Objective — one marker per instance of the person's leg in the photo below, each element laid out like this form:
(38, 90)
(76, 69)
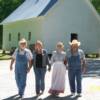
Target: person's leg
(17, 78)
(78, 80)
(71, 75)
(37, 80)
(43, 71)
(23, 77)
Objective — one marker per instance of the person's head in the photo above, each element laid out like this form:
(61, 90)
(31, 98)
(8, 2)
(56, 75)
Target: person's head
(38, 45)
(60, 46)
(22, 43)
(74, 45)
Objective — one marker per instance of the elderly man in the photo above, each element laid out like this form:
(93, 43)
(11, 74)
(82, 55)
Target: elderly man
(76, 66)
(22, 57)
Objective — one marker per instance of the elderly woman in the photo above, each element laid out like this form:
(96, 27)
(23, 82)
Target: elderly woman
(22, 57)
(40, 62)
(58, 60)
(76, 65)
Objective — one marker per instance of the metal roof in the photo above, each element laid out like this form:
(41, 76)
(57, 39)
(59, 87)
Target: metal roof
(30, 9)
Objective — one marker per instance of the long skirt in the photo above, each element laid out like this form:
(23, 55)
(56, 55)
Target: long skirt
(58, 78)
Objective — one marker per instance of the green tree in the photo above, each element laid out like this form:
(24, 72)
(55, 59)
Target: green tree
(96, 4)
(7, 7)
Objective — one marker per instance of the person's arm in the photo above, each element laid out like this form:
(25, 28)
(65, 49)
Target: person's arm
(83, 66)
(30, 57)
(47, 60)
(30, 65)
(83, 62)
(48, 63)
(52, 58)
(65, 62)
(13, 59)
(11, 64)
(30, 60)
(65, 59)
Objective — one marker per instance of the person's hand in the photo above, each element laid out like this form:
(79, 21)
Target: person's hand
(11, 68)
(66, 67)
(28, 69)
(84, 71)
(65, 62)
(49, 69)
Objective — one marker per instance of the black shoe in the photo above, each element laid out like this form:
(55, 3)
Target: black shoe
(37, 94)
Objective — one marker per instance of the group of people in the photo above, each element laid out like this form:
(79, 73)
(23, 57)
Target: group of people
(73, 60)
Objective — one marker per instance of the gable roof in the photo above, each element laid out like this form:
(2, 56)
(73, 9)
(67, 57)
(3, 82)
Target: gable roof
(30, 9)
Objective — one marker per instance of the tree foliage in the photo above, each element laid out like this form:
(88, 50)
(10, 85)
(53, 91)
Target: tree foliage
(96, 4)
(7, 7)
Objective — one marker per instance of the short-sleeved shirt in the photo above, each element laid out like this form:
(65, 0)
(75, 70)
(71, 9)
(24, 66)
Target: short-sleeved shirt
(58, 56)
(28, 53)
(80, 52)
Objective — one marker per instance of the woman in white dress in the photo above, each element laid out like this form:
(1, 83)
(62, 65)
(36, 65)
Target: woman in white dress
(58, 61)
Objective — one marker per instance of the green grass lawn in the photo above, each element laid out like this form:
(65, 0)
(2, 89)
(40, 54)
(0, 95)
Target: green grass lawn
(4, 57)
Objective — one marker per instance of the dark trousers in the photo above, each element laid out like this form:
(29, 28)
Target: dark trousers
(75, 80)
(39, 79)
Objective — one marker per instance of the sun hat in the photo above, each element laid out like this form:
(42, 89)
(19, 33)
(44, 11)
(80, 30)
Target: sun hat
(75, 42)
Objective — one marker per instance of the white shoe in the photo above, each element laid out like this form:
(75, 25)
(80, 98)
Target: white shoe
(73, 94)
(79, 94)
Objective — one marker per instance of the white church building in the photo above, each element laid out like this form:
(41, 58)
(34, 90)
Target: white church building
(51, 21)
